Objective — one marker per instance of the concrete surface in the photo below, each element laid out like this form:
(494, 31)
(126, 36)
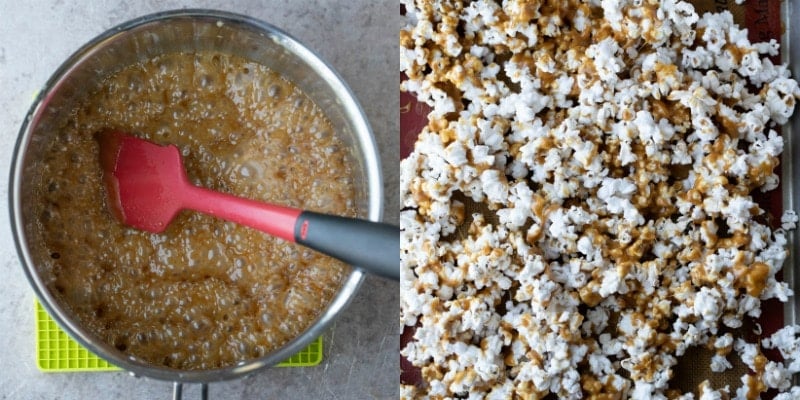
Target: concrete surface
(359, 38)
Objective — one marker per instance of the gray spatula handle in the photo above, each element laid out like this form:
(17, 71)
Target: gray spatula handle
(371, 246)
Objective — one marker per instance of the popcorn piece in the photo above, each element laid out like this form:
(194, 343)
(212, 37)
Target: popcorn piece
(789, 220)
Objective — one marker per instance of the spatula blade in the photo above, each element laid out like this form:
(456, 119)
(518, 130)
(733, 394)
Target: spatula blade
(144, 181)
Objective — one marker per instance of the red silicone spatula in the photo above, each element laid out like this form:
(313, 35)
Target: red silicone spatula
(147, 186)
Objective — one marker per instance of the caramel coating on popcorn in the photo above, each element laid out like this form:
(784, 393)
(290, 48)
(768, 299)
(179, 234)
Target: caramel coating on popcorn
(617, 143)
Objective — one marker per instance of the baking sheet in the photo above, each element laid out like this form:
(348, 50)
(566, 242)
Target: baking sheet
(765, 20)
(790, 46)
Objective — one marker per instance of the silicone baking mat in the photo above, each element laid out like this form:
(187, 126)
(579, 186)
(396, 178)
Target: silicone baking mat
(57, 352)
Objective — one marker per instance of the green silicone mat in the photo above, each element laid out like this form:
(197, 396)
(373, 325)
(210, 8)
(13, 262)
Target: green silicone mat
(57, 352)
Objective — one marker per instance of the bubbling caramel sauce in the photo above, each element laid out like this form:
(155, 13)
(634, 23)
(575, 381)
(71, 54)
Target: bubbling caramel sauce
(206, 293)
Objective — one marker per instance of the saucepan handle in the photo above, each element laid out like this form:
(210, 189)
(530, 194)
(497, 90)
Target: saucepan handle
(177, 391)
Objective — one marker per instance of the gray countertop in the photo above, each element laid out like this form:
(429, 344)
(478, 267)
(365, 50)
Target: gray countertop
(359, 38)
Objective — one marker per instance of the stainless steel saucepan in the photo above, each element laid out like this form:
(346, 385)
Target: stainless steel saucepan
(170, 32)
